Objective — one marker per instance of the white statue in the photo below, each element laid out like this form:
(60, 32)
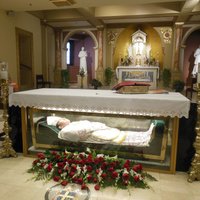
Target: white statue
(130, 51)
(138, 51)
(196, 61)
(97, 132)
(83, 63)
(148, 51)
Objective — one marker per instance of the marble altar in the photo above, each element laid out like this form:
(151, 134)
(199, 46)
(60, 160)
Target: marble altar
(149, 74)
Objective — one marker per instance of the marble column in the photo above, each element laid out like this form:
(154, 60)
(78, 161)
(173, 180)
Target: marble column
(99, 72)
(178, 30)
(58, 58)
(111, 37)
(45, 71)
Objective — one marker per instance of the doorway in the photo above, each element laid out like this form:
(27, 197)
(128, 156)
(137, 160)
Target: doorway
(24, 42)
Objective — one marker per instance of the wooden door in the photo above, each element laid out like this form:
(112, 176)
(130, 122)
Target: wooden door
(24, 41)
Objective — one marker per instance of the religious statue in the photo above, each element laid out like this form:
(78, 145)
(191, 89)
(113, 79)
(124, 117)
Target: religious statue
(130, 51)
(138, 51)
(196, 61)
(83, 63)
(97, 132)
(148, 50)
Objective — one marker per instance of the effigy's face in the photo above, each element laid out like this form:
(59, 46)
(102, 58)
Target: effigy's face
(62, 123)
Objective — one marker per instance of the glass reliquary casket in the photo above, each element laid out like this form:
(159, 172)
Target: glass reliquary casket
(142, 127)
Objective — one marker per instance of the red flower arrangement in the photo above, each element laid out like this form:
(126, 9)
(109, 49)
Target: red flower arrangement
(85, 168)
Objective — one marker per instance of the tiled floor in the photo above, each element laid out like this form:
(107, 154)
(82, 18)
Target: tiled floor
(15, 184)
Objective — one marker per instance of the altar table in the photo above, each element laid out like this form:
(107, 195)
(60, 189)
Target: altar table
(110, 105)
(172, 104)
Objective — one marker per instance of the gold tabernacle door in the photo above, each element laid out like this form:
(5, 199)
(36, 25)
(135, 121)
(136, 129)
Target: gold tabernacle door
(145, 139)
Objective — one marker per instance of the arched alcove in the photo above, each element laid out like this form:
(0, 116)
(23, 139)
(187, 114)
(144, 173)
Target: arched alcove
(124, 39)
(189, 44)
(88, 40)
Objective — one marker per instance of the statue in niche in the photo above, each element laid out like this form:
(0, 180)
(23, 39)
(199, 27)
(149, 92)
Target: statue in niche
(138, 51)
(196, 62)
(83, 63)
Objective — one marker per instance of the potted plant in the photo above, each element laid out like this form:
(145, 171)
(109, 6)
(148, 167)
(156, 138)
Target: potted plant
(178, 85)
(65, 78)
(96, 83)
(166, 77)
(108, 75)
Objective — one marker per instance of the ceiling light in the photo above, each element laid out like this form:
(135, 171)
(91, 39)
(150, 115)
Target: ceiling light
(179, 23)
(62, 2)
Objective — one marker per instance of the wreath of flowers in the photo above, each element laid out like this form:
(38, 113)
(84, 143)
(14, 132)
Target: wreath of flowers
(85, 168)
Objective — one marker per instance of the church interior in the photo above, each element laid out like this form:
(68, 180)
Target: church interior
(120, 78)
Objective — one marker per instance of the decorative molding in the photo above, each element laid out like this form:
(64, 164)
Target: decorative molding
(111, 35)
(7, 149)
(166, 34)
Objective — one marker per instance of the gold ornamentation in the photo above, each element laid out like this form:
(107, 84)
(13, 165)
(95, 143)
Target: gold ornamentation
(194, 172)
(167, 35)
(111, 36)
(7, 149)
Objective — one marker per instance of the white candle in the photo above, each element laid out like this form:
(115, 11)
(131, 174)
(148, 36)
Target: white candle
(4, 75)
(4, 71)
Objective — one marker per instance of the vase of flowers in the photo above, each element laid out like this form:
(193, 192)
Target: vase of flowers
(126, 61)
(82, 75)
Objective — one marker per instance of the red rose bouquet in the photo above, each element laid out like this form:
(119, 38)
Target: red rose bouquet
(85, 168)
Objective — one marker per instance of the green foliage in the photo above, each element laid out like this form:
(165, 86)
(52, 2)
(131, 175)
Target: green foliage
(65, 78)
(166, 75)
(151, 61)
(87, 167)
(108, 75)
(178, 85)
(82, 72)
(96, 83)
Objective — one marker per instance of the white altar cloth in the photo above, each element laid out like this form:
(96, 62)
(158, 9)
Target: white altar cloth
(172, 104)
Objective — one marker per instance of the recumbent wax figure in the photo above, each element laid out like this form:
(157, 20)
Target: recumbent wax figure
(97, 132)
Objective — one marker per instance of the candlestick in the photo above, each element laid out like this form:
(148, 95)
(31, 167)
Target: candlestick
(7, 149)
(4, 75)
(4, 71)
